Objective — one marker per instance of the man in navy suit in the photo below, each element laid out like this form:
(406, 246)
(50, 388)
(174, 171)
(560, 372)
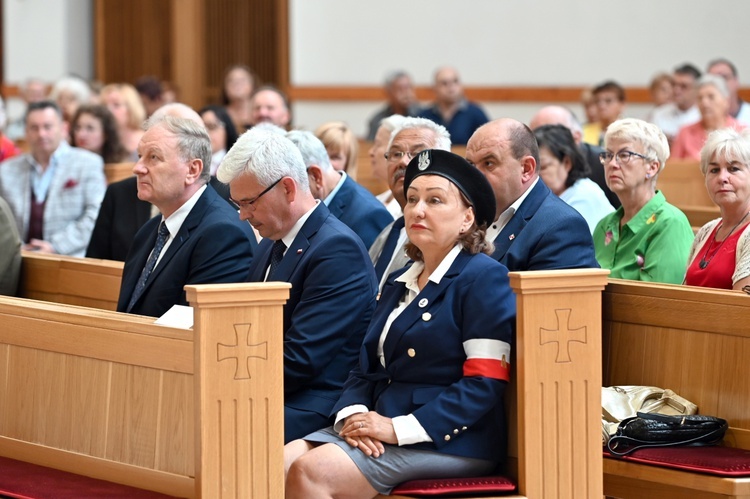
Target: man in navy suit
(533, 229)
(197, 239)
(333, 283)
(346, 199)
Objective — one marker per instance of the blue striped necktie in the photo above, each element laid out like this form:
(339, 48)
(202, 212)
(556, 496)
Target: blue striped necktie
(161, 240)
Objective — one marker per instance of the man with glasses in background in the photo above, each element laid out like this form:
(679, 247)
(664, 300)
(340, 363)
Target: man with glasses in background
(197, 238)
(412, 137)
(333, 284)
(533, 229)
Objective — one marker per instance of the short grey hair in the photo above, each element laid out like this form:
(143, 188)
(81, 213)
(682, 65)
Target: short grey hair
(74, 85)
(648, 135)
(726, 142)
(193, 141)
(392, 122)
(717, 81)
(266, 155)
(312, 149)
(442, 137)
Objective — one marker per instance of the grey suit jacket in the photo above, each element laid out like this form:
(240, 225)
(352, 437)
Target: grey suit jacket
(10, 251)
(73, 198)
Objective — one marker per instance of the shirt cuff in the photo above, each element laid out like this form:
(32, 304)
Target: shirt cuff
(409, 431)
(345, 413)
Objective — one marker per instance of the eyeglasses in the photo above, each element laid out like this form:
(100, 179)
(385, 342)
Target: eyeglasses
(214, 126)
(396, 156)
(621, 157)
(245, 203)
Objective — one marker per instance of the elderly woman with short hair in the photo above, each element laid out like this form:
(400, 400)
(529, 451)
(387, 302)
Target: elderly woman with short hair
(646, 239)
(713, 103)
(720, 255)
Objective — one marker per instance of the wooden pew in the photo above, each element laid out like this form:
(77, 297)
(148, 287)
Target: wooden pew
(87, 282)
(700, 215)
(553, 414)
(115, 397)
(683, 184)
(694, 341)
(118, 171)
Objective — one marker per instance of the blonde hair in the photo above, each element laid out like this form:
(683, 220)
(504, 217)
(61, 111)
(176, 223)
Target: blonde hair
(336, 136)
(136, 111)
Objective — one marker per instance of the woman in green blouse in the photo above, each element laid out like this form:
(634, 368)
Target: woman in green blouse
(646, 239)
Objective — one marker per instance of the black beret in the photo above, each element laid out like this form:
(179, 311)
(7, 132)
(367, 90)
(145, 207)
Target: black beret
(470, 181)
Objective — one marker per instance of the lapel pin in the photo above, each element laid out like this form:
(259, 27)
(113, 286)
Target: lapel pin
(511, 237)
(299, 251)
(423, 303)
(426, 316)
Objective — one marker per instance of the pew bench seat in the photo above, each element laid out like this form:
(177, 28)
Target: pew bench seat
(708, 473)
(495, 486)
(20, 479)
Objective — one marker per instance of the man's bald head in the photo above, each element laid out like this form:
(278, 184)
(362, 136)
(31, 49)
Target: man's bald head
(557, 115)
(176, 110)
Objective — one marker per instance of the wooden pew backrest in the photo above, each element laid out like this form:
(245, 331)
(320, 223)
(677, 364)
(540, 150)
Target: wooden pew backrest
(115, 172)
(115, 397)
(683, 184)
(695, 341)
(87, 282)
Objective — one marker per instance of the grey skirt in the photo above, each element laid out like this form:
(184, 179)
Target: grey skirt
(400, 464)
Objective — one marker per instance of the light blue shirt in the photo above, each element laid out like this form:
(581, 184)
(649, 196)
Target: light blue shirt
(589, 200)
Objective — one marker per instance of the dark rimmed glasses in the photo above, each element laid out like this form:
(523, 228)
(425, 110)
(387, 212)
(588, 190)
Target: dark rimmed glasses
(246, 203)
(621, 157)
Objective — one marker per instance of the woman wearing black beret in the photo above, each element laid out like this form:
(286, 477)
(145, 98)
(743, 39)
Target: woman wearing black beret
(426, 400)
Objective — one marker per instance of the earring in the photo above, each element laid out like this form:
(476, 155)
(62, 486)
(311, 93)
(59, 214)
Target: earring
(648, 175)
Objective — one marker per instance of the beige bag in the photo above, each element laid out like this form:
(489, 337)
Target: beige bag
(621, 402)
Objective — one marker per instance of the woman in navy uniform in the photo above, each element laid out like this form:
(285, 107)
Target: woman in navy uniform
(426, 400)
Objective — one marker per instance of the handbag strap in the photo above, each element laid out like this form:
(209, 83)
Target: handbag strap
(613, 442)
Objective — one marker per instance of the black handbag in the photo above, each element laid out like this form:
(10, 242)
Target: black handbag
(659, 430)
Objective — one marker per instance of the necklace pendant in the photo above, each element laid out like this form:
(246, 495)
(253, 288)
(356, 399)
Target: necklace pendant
(703, 264)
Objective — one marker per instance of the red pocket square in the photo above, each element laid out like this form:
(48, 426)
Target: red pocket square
(71, 182)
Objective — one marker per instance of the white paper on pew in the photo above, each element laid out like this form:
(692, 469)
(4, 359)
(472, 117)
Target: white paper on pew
(177, 316)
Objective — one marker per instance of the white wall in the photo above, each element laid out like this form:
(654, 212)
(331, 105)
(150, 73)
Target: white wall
(505, 42)
(491, 42)
(47, 39)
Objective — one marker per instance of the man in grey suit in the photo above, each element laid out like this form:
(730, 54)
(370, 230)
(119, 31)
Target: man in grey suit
(55, 190)
(412, 137)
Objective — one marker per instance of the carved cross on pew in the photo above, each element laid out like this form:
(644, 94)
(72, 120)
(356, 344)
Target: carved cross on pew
(242, 352)
(563, 337)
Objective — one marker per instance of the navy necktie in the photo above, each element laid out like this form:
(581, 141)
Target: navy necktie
(161, 240)
(277, 253)
(388, 248)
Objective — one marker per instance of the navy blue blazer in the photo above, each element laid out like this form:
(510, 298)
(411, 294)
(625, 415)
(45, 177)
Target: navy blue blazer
(545, 234)
(121, 214)
(360, 210)
(330, 304)
(212, 246)
(436, 363)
